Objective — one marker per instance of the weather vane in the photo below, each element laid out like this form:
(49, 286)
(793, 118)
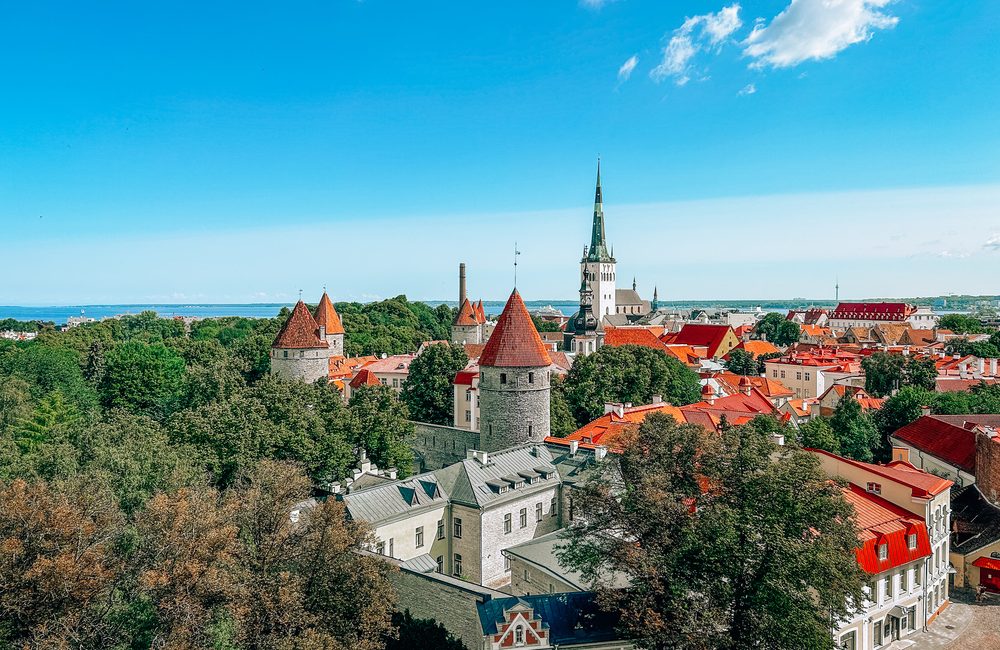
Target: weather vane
(516, 253)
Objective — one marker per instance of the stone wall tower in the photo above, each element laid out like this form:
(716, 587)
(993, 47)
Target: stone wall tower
(299, 351)
(598, 265)
(514, 382)
(468, 324)
(331, 329)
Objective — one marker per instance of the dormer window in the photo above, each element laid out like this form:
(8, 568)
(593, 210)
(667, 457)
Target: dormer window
(911, 541)
(883, 552)
(874, 488)
(518, 635)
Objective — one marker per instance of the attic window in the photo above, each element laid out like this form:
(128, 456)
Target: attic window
(911, 541)
(883, 552)
(874, 488)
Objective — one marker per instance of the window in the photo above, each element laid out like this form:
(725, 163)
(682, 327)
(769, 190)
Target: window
(527, 575)
(807, 376)
(848, 642)
(395, 382)
(798, 376)
(440, 532)
(440, 562)
(875, 488)
(883, 551)
(531, 377)
(524, 517)
(911, 617)
(888, 586)
(872, 591)
(458, 528)
(506, 563)
(390, 548)
(774, 373)
(877, 633)
(782, 374)
(911, 541)
(457, 565)
(518, 635)
(286, 354)
(418, 537)
(468, 396)
(552, 507)
(538, 511)
(916, 576)
(904, 580)
(503, 377)
(380, 548)
(529, 429)
(468, 416)
(507, 524)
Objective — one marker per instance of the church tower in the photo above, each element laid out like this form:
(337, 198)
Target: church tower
(331, 329)
(588, 332)
(514, 386)
(598, 266)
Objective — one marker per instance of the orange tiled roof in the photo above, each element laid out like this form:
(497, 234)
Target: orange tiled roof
(300, 331)
(480, 312)
(514, 342)
(467, 315)
(770, 388)
(757, 348)
(327, 316)
(606, 429)
(615, 336)
(687, 354)
(711, 336)
(365, 377)
(473, 350)
(922, 484)
(343, 367)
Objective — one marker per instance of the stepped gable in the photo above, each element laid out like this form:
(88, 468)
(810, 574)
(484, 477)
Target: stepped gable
(328, 317)
(467, 315)
(515, 342)
(299, 331)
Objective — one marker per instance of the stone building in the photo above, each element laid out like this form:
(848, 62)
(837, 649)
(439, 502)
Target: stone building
(514, 381)
(301, 350)
(329, 323)
(469, 327)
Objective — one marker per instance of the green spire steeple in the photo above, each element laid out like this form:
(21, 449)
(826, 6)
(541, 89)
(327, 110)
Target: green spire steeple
(598, 244)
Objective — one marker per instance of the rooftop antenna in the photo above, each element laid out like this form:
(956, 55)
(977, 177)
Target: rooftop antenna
(837, 290)
(516, 253)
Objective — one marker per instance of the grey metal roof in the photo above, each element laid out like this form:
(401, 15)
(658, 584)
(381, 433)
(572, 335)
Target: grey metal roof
(468, 481)
(541, 552)
(976, 521)
(421, 564)
(391, 500)
(572, 618)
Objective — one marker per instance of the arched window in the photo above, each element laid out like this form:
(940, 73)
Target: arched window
(519, 635)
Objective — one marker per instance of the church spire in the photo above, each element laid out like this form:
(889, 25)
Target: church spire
(598, 244)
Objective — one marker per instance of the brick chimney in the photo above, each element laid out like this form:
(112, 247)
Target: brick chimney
(461, 285)
(988, 463)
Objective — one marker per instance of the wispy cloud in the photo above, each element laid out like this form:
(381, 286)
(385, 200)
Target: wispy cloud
(625, 71)
(595, 4)
(748, 89)
(993, 243)
(815, 29)
(697, 33)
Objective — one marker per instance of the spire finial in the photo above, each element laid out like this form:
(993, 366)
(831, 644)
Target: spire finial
(633, 283)
(300, 294)
(516, 253)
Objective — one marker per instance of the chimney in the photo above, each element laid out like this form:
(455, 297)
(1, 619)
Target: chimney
(614, 407)
(988, 464)
(708, 394)
(993, 367)
(600, 451)
(574, 446)
(925, 410)
(461, 285)
(901, 453)
(657, 399)
(481, 456)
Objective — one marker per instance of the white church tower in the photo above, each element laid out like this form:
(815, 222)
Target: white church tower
(597, 268)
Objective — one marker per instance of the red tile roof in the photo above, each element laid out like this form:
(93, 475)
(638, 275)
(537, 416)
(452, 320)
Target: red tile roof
(514, 342)
(951, 438)
(480, 312)
(711, 336)
(922, 484)
(882, 522)
(299, 331)
(467, 315)
(615, 336)
(887, 311)
(770, 388)
(327, 316)
(343, 367)
(987, 563)
(607, 429)
(757, 348)
(365, 377)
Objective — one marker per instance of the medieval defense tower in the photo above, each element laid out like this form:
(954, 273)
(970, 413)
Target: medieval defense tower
(514, 385)
(305, 344)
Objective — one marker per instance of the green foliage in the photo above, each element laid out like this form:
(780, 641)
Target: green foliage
(393, 326)
(143, 378)
(818, 434)
(543, 325)
(742, 362)
(989, 349)
(561, 422)
(961, 324)
(14, 325)
(429, 391)
(905, 406)
(628, 373)
(380, 425)
(412, 633)
(53, 417)
(885, 372)
(46, 369)
(855, 430)
(779, 562)
(763, 358)
(777, 329)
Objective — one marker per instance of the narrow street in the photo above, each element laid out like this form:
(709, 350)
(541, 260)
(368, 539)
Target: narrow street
(963, 625)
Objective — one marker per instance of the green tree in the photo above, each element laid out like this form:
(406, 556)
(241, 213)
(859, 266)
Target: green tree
(856, 431)
(429, 391)
(543, 325)
(762, 360)
(15, 403)
(143, 378)
(883, 373)
(921, 373)
(628, 373)
(412, 632)
(781, 559)
(818, 434)
(777, 329)
(52, 418)
(961, 324)
(380, 425)
(561, 422)
(742, 362)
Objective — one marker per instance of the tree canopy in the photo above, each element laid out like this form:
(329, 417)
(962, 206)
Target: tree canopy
(886, 372)
(727, 543)
(742, 362)
(777, 329)
(961, 324)
(429, 391)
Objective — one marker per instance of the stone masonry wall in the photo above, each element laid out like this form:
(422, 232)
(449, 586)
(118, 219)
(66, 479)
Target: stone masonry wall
(311, 365)
(462, 334)
(507, 410)
(452, 606)
(439, 446)
(988, 466)
(336, 343)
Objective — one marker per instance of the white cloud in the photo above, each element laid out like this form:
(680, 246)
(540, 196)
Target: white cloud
(695, 34)
(625, 71)
(993, 243)
(595, 4)
(748, 89)
(815, 29)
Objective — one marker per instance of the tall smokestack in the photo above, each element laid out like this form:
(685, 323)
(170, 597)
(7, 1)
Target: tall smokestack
(461, 284)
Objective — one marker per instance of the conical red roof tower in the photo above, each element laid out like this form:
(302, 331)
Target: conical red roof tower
(299, 331)
(327, 316)
(515, 342)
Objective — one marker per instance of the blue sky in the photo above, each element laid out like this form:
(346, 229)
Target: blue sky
(240, 151)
